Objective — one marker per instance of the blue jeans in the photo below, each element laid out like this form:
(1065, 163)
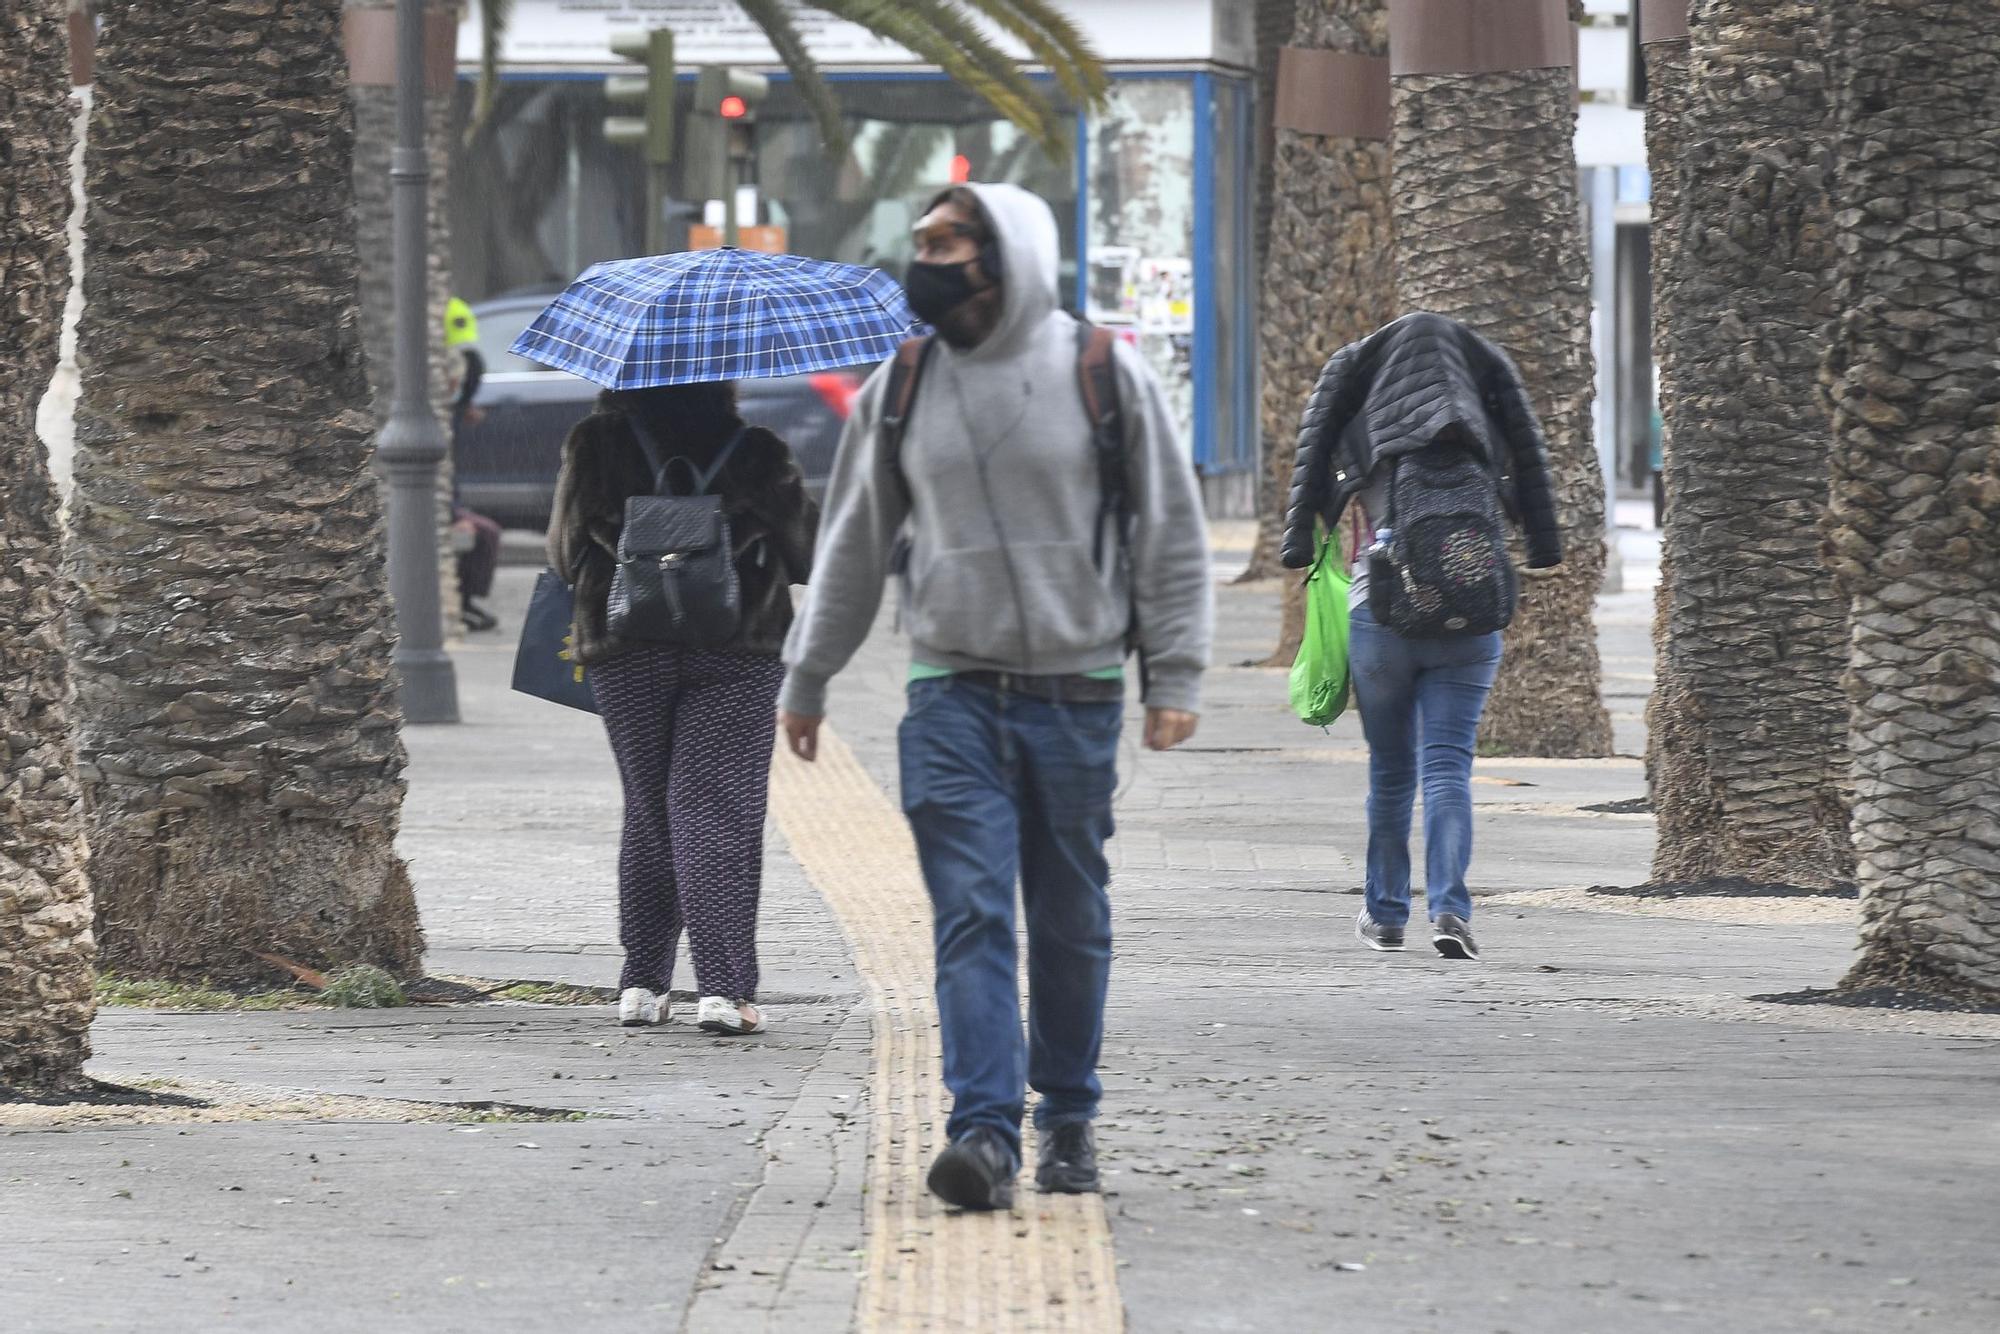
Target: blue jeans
(1401, 684)
(999, 787)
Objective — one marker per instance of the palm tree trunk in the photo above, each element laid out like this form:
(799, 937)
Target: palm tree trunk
(1328, 279)
(1750, 774)
(1274, 23)
(1916, 476)
(1668, 88)
(237, 713)
(1274, 28)
(45, 939)
(1489, 231)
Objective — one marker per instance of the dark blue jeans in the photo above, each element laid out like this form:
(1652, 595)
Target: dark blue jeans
(1000, 788)
(1410, 691)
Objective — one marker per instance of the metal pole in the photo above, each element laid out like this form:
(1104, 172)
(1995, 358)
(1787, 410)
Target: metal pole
(656, 208)
(573, 252)
(412, 443)
(732, 177)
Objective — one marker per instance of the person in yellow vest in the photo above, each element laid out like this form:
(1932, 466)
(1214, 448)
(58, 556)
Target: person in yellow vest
(475, 538)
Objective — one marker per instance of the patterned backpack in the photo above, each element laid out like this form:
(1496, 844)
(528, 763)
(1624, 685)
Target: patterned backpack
(1445, 570)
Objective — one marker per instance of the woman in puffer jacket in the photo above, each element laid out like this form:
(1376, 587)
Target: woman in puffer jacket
(691, 728)
(1422, 381)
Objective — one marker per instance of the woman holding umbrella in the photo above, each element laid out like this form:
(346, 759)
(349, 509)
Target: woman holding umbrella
(691, 721)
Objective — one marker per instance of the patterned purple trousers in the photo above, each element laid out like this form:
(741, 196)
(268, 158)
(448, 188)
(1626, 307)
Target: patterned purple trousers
(692, 733)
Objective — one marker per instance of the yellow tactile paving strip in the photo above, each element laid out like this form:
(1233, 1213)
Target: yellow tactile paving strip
(1048, 1265)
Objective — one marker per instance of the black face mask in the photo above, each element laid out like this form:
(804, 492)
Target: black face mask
(936, 290)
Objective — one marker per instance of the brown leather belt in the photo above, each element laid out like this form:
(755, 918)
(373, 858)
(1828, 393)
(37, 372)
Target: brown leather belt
(1071, 688)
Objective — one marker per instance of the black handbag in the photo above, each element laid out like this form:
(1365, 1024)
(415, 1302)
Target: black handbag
(676, 581)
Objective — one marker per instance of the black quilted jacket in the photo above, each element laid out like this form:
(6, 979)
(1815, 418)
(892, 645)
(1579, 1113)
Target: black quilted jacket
(1405, 385)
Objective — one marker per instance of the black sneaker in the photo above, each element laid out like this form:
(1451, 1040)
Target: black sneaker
(1453, 937)
(976, 1171)
(1376, 936)
(1068, 1163)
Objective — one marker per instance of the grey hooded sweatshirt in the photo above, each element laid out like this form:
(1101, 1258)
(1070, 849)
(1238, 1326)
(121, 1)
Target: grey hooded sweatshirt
(1004, 508)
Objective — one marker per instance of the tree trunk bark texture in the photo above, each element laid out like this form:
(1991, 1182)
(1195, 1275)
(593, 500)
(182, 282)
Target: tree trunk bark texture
(1275, 22)
(1489, 231)
(1274, 28)
(45, 926)
(1750, 771)
(237, 713)
(1668, 88)
(1915, 524)
(1329, 280)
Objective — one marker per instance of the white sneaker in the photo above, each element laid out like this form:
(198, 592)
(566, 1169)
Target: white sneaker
(719, 1014)
(638, 1008)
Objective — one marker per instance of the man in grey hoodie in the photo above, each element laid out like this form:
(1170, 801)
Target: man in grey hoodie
(1019, 628)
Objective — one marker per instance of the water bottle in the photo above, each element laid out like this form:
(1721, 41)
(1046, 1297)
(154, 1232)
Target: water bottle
(1383, 536)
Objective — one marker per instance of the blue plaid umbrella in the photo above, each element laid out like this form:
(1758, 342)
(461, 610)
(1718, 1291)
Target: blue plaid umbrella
(717, 315)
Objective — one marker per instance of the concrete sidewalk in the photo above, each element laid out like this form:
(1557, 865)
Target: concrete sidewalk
(332, 1205)
(1595, 1130)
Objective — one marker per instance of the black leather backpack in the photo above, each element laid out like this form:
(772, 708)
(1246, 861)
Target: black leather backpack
(676, 581)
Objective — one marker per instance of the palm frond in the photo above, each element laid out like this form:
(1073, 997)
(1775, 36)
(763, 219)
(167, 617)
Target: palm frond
(494, 16)
(783, 34)
(940, 32)
(1055, 42)
(905, 156)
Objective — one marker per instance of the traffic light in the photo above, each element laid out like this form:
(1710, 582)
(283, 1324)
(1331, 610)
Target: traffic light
(728, 98)
(730, 94)
(652, 130)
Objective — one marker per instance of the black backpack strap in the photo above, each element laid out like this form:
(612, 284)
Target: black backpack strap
(1097, 380)
(650, 447)
(704, 478)
(904, 373)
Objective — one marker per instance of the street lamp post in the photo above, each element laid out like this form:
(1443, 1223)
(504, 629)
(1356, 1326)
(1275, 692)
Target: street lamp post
(412, 443)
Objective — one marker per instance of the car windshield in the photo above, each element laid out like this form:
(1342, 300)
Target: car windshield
(498, 328)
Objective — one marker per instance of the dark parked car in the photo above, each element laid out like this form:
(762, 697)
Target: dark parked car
(509, 449)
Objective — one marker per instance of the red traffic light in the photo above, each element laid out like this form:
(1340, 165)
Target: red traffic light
(733, 108)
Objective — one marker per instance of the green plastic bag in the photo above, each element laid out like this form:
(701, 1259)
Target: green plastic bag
(1319, 674)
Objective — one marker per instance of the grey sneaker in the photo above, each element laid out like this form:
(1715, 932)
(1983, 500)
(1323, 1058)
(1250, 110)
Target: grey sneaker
(1453, 937)
(731, 1018)
(1388, 939)
(640, 1008)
